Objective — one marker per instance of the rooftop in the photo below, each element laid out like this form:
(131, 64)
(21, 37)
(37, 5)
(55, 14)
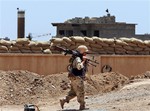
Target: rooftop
(95, 20)
(108, 19)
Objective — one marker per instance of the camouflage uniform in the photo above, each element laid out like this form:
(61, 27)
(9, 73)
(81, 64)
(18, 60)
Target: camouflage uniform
(77, 85)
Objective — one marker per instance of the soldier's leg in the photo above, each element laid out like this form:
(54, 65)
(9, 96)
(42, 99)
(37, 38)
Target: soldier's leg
(71, 94)
(80, 92)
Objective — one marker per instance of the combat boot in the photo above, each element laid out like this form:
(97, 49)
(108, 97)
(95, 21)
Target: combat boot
(62, 102)
(82, 106)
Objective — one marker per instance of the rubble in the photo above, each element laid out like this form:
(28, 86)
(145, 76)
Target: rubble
(20, 87)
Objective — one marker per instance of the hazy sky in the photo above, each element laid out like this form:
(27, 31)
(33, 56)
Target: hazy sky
(39, 14)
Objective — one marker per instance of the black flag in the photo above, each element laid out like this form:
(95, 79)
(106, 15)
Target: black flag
(107, 11)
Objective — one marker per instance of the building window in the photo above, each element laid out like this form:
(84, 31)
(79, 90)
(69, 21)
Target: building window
(69, 32)
(61, 32)
(83, 33)
(96, 33)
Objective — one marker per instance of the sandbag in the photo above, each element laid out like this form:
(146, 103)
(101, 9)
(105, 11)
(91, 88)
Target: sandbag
(128, 48)
(3, 51)
(108, 41)
(137, 41)
(110, 52)
(138, 49)
(89, 48)
(45, 47)
(103, 44)
(131, 52)
(90, 40)
(120, 52)
(73, 47)
(13, 42)
(25, 49)
(32, 43)
(120, 49)
(22, 41)
(120, 42)
(57, 40)
(40, 44)
(47, 51)
(119, 46)
(45, 44)
(113, 45)
(60, 44)
(143, 53)
(108, 48)
(3, 48)
(85, 43)
(55, 44)
(17, 45)
(77, 39)
(14, 49)
(97, 49)
(66, 45)
(55, 52)
(5, 42)
(146, 49)
(52, 46)
(142, 45)
(36, 48)
(68, 40)
(147, 42)
(96, 39)
(132, 44)
(96, 46)
(102, 52)
(125, 39)
(100, 41)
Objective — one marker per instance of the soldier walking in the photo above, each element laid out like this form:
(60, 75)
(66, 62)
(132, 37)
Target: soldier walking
(76, 75)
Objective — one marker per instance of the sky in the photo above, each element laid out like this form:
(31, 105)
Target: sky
(39, 14)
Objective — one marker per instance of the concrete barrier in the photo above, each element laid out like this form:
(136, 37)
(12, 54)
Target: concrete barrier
(51, 64)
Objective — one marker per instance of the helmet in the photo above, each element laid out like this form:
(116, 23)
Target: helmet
(82, 47)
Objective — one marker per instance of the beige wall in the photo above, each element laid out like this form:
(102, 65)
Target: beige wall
(127, 65)
(51, 64)
(41, 64)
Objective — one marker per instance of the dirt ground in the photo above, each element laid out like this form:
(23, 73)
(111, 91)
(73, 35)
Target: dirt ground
(104, 92)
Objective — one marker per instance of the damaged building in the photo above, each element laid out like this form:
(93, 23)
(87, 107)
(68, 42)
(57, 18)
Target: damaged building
(105, 26)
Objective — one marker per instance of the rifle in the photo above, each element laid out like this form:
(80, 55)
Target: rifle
(92, 62)
(68, 51)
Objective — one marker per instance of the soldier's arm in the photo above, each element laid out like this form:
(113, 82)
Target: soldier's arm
(79, 63)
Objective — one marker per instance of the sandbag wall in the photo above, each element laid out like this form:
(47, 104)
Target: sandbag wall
(121, 46)
(24, 45)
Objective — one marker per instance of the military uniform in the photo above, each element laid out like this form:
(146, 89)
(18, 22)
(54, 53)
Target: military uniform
(76, 76)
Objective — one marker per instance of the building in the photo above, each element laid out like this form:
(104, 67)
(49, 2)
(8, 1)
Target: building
(105, 26)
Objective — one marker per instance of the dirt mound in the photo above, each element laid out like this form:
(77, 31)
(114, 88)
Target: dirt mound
(20, 87)
(105, 82)
(138, 84)
(145, 75)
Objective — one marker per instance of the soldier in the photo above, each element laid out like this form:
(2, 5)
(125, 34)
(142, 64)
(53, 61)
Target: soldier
(76, 76)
